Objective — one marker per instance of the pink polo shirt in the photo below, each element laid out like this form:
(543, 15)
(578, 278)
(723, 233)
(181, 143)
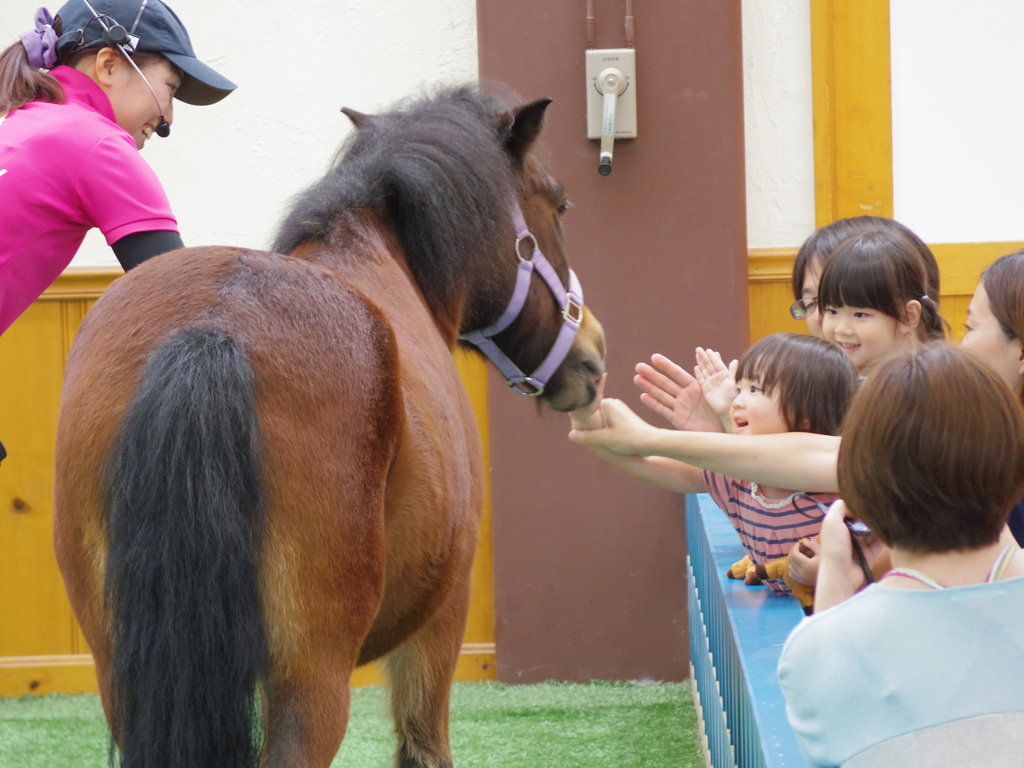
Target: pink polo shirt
(64, 169)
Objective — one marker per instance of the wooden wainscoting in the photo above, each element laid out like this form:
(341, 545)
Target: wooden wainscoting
(42, 649)
(770, 292)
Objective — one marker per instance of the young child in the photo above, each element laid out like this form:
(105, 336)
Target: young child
(785, 382)
(873, 299)
(818, 248)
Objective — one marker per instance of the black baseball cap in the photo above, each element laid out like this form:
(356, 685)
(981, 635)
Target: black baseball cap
(158, 29)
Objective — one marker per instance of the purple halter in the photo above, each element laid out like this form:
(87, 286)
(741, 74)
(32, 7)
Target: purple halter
(569, 301)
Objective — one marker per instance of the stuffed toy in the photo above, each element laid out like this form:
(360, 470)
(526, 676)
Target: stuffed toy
(775, 569)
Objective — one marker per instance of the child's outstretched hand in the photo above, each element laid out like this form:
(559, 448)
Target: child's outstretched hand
(671, 392)
(717, 380)
(590, 417)
(623, 432)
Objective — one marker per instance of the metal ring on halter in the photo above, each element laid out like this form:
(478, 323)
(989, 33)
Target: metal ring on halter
(517, 386)
(535, 246)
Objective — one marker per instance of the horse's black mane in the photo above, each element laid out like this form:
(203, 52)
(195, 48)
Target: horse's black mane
(438, 169)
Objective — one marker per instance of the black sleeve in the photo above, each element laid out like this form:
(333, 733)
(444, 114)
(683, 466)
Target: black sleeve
(131, 250)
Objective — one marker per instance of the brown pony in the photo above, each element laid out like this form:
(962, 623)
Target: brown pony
(268, 472)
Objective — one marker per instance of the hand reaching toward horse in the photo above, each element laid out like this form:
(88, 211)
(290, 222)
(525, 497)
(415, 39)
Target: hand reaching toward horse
(717, 380)
(671, 392)
(623, 432)
(590, 416)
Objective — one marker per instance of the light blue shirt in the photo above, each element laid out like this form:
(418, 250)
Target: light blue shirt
(889, 661)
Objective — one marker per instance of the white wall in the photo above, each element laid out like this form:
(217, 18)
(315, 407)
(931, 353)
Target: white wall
(958, 108)
(778, 122)
(958, 114)
(229, 168)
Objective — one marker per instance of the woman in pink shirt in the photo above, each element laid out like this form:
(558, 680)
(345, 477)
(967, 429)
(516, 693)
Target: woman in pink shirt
(80, 95)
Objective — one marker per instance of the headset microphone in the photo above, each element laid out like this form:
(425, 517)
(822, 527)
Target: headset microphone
(119, 38)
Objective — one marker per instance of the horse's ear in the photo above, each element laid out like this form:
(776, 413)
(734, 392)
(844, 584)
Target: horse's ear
(359, 119)
(523, 126)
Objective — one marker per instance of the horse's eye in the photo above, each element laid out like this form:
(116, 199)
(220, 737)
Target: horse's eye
(564, 207)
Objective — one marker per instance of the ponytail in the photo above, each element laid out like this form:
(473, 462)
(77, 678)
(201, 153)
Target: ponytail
(934, 326)
(20, 83)
(22, 66)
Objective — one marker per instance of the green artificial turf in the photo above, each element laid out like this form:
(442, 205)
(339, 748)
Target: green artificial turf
(552, 724)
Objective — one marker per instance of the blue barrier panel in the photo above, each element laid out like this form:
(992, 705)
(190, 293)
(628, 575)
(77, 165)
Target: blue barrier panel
(736, 637)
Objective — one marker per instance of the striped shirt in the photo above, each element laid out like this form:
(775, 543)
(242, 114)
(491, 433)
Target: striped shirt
(765, 532)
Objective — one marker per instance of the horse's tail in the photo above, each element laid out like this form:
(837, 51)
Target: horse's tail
(186, 509)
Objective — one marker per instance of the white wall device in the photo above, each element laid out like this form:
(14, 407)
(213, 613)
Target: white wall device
(611, 99)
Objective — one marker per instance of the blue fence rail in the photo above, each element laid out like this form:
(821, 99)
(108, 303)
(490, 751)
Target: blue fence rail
(736, 637)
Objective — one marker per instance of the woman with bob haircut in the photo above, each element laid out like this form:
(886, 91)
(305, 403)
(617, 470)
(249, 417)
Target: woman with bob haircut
(924, 667)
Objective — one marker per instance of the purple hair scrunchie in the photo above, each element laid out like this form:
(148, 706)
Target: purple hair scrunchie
(41, 42)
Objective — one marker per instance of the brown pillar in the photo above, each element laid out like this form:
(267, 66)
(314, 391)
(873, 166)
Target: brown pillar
(590, 564)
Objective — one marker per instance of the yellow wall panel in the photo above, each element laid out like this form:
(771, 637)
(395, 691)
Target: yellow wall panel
(480, 628)
(769, 310)
(34, 615)
(852, 108)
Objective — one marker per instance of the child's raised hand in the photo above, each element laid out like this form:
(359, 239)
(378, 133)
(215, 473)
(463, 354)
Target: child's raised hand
(623, 432)
(717, 380)
(671, 392)
(590, 417)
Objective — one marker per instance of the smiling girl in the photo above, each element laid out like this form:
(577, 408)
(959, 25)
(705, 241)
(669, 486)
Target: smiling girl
(874, 299)
(785, 382)
(817, 249)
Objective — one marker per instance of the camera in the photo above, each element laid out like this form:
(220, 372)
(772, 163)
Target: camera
(857, 528)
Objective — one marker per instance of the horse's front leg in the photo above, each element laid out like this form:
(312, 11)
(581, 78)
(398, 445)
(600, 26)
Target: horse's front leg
(420, 676)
